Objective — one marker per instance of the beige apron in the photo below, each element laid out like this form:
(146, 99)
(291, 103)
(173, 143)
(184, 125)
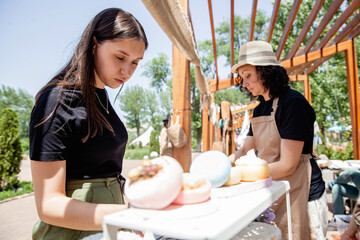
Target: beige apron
(267, 142)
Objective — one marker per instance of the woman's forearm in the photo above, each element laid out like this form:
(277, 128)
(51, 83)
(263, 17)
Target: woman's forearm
(75, 214)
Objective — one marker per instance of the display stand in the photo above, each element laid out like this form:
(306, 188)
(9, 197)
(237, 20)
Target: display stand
(218, 218)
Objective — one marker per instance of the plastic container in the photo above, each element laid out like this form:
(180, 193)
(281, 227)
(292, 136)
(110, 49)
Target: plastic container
(342, 222)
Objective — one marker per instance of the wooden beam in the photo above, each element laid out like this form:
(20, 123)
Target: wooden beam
(355, 33)
(325, 20)
(306, 84)
(205, 125)
(248, 107)
(342, 35)
(211, 123)
(354, 96)
(347, 30)
(182, 100)
(287, 28)
(252, 22)
(219, 85)
(213, 38)
(307, 91)
(306, 27)
(354, 5)
(315, 55)
(273, 20)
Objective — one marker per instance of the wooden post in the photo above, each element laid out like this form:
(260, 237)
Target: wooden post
(307, 91)
(211, 124)
(182, 105)
(354, 96)
(205, 128)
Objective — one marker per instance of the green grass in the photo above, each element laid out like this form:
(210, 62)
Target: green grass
(137, 153)
(25, 187)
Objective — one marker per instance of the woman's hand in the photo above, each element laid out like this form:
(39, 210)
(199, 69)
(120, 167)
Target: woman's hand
(55, 208)
(248, 145)
(232, 159)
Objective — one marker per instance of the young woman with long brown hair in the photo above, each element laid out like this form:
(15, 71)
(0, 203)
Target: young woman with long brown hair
(77, 141)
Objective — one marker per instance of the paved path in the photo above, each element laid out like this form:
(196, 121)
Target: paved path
(18, 216)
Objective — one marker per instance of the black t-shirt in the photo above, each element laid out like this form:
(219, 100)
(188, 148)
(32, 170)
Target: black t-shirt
(59, 138)
(295, 119)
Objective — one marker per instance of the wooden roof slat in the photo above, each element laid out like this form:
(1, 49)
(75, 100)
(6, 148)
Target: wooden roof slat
(287, 28)
(273, 20)
(316, 54)
(253, 17)
(306, 27)
(347, 30)
(213, 38)
(355, 33)
(326, 19)
(342, 35)
(338, 23)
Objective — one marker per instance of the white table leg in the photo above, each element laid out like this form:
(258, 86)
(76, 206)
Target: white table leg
(149, 236)
(109, 231)
(288, 211)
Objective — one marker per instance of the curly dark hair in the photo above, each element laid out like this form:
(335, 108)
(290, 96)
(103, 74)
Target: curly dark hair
(274, 78)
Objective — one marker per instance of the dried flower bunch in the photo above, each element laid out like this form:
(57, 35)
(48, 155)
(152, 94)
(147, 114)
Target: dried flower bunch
(146, 170)
(268, 216)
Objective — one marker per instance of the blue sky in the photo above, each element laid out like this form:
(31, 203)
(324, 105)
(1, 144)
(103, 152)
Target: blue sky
(39, 36)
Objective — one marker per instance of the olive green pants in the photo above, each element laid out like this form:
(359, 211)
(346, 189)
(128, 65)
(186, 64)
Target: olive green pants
(101, 190)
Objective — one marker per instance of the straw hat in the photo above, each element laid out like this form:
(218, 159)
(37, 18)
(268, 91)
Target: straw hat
(256, 53)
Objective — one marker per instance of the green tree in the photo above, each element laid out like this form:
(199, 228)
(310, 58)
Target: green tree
(154, 144)
(158, 70)
(166, 99)
(196, 121)
(133, 104)
(10, 149)
(241, 34)
(153, 114)
(21, 102)
(232, 95)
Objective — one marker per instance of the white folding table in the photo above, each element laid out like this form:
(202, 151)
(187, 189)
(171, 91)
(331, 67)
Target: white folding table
(218, 218)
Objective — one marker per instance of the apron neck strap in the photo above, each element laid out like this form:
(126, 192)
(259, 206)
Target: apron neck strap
(274, 105)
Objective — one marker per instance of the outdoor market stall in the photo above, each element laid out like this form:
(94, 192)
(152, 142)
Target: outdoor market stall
(199, 221)
(174, 18)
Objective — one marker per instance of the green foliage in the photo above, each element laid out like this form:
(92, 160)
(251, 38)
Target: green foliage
(25, 146)
(23, 188)
(166, 99)
(154, 144)
(19, 101)
(241, 34)
(158, 70)
(132, 102)
(10, 149)
(136, 153)
(337, 153)
(152, 109)
(232, 95)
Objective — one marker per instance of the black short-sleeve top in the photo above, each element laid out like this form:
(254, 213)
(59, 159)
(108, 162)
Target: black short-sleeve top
(294, 118)
(59, 138)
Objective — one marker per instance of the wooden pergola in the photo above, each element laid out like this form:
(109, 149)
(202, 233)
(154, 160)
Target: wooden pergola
(299, 62)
